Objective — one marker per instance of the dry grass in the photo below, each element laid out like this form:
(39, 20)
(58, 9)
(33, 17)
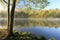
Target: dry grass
(3, 33)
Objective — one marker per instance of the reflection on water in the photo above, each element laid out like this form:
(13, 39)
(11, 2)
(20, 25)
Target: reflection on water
(37, 23)
(37, 26)
(32, 22)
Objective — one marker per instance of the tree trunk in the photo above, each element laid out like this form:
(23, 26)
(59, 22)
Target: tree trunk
(8, 17)
(12, 17)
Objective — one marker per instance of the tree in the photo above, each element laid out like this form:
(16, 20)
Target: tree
(36, 3)
(31, 4)
(8, 16)
(12, 16)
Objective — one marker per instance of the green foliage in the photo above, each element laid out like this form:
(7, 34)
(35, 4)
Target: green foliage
(38, 14)
(52, 39)
(41, 4)
(1, 0)
(38, 3)
(17, 1)
(25, 36)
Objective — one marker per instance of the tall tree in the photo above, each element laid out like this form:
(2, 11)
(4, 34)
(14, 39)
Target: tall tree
(12, 16)
(8, 16)
(27, 3)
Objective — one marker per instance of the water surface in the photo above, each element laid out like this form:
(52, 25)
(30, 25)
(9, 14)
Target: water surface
(50, 28)
(45, 31)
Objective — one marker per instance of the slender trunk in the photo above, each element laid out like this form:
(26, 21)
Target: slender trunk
(8, 17)
(12, 16)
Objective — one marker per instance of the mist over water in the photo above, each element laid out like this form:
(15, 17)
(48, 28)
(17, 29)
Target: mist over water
(50, 22)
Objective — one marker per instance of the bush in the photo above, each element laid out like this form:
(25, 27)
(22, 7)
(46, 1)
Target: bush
(25, 36)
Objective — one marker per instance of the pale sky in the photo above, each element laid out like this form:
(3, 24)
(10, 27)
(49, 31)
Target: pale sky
(53, 4)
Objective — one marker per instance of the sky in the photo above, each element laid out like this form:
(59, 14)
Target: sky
(53, 4)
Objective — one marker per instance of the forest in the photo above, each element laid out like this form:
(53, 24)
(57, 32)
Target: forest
(33, 18)
(52, 13)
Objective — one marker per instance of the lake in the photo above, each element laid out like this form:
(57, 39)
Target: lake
(50, 28)
(45, 31)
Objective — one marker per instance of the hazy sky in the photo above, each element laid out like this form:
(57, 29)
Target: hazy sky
(53, 4)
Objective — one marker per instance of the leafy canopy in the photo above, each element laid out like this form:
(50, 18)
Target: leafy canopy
(30, 4)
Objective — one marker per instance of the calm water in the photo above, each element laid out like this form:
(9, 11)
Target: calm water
(45, 31)
(50, 28)
(32, 22)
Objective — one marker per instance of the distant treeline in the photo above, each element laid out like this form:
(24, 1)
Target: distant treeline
(38, 14)
(34, 14)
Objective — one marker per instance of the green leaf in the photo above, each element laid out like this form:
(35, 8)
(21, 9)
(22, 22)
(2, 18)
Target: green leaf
(1, 1)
